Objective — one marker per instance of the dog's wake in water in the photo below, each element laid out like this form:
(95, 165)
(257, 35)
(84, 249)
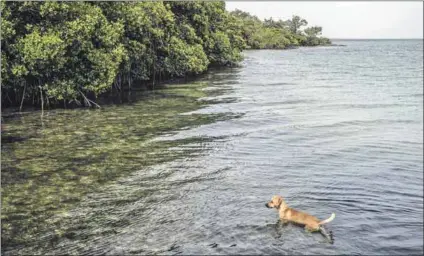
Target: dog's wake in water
(327, 234)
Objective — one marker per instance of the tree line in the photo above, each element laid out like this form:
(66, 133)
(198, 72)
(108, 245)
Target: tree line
(278, 34)
(70, 53)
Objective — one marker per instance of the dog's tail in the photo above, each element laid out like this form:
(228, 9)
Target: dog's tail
(327, 234)
(328, 220)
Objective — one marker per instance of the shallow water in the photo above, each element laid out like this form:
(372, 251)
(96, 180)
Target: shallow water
(189, 169)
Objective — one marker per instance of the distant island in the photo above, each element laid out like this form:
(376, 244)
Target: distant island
(70, 53)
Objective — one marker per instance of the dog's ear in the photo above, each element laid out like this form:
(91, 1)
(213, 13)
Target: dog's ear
(279, 200)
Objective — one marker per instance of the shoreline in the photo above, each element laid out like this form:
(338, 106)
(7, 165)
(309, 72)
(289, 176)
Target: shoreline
(111, 97)
(114, 97)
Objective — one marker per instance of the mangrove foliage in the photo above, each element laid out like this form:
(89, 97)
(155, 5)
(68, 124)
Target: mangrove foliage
(70, 53)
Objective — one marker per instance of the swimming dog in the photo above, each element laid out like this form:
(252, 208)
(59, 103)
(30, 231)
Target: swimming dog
(310, 222)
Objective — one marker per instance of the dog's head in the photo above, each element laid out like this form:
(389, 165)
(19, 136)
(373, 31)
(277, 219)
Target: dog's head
(275, 202)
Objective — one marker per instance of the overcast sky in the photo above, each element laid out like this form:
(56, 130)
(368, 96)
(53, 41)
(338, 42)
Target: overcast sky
(346, 19)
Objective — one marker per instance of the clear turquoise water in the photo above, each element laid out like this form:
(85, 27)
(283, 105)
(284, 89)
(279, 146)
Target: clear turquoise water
(331, 129)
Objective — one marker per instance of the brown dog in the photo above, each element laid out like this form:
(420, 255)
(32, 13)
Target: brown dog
(310, 222)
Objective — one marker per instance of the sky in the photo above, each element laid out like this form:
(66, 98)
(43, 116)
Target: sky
(346, 19)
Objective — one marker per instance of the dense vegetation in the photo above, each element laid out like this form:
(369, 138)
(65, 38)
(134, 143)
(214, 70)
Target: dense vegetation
(62, 53)
(271, 34)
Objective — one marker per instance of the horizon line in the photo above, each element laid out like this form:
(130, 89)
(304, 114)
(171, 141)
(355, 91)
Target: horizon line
(363, 38)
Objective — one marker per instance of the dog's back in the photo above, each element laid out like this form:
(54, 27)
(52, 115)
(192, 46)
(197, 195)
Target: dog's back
(302, 218)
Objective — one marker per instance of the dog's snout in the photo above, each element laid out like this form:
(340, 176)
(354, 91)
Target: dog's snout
(267, 206)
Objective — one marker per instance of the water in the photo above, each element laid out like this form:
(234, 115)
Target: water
(331, 129)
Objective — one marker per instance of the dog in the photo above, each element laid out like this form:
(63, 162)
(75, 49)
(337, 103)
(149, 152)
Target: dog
(311, 223)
